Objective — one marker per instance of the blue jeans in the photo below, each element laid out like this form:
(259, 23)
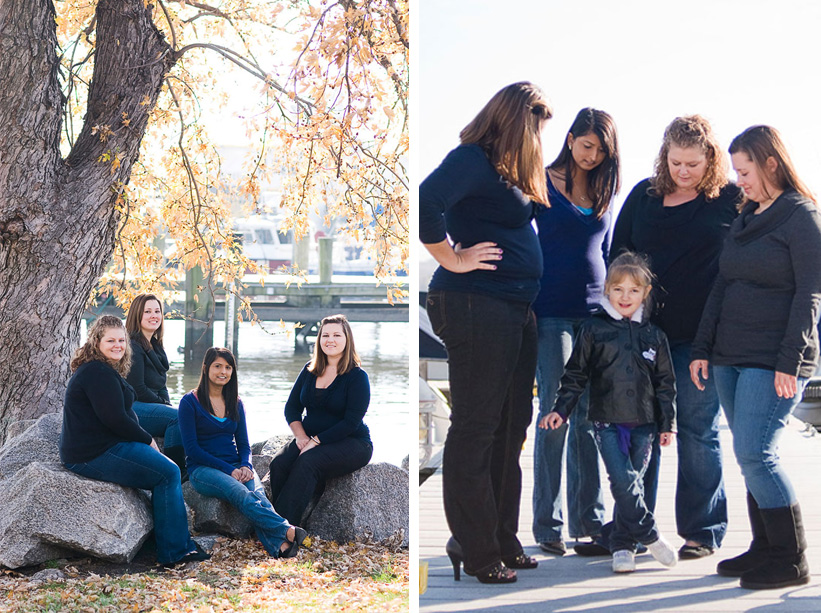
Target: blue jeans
(141, 466)
(491, 347)
(757, 417)
(584, 496)
(251, 501)
(159, 420)
(701, 502)
(633, 522)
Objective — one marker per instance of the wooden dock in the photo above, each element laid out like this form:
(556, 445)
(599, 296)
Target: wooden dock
(573, 583)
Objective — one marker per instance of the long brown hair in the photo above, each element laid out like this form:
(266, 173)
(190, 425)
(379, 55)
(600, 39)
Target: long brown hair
(91, 349)
(691, 131)
(604, 181)
(762, 142)
(349, 358)
(230, 391)
(508, 129)
(134, 318)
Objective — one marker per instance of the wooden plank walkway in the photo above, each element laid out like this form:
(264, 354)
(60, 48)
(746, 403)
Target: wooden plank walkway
(573, 583)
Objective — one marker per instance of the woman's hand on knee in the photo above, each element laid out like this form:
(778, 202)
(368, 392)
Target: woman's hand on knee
(310, 445)
(301, 441)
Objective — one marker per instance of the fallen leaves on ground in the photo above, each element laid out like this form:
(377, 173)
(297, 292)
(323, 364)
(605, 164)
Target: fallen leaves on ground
(239, 577)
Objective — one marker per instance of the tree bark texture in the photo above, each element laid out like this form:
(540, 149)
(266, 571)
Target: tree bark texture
(59, 217)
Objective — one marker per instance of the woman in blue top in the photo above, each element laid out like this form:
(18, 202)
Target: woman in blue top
(324, 411)
(212, 421)
(573, 234)
(482, 198)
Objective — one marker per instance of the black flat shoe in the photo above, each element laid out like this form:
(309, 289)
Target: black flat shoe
(694, 552)
(198, 555)
(301, 539)
(520, 561)
(591, 550)
(557, 548)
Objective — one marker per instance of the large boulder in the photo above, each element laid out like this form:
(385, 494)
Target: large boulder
(215, 515)
(49, 512)
(373, 500)
(262, 464)
(38, 443)
(272, 445)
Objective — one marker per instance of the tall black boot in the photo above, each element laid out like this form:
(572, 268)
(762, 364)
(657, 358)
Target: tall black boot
(177, 455)
(758, 550)
(786, 564)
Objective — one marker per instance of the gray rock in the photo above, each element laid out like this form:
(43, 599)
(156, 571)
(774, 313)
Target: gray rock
(373, 500)
(49, 512)
(262, 464)
(49, 574)
(406, 464)
(271, 446)
(215, 515)
(39, 443)
(19, 427)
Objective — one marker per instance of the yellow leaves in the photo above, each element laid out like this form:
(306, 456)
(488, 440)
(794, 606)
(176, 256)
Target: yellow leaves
(103, 131)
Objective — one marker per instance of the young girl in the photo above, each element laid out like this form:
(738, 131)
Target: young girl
(626, 361)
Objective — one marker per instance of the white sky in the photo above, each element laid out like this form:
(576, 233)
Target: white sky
(736, 62)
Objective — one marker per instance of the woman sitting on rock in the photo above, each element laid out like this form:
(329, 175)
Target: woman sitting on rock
(331, 439)
(214, 434)
(102, 438)
(147, 376)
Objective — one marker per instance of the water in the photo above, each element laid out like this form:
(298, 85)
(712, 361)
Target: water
(268, 365)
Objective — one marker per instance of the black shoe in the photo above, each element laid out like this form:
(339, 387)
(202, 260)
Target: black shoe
(759, 549)
(592, 549)
(496, 573)
(520, 561)
(786, 563)
(301, 539)
(694, 552)
(557, 548)
(198, 555)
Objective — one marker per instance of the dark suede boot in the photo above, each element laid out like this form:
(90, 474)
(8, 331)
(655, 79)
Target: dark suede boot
(786, 564)
(177, 455)
(759, 547)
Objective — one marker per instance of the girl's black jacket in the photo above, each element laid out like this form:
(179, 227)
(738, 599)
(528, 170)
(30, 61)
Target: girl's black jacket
(629, 369)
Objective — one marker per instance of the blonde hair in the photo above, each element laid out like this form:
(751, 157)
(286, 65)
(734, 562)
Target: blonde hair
(349, 358)
(508, 129)
(691, 131)
(632, 265)
(91, 349)
(762, 142)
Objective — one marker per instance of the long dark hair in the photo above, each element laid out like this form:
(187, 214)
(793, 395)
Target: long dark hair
(349, 358)
(230, 391)
(134, 318)
(509, 129)
(604, 181)
(762, 142)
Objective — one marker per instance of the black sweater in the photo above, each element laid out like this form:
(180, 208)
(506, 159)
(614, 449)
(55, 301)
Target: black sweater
(468, 200)
(683, 244)
(97, 413)
(763, 309)
(148, 373)
(337, 412)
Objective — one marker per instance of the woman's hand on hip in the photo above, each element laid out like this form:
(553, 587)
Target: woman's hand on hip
(699, 372)
(461, 260)
(785, 385)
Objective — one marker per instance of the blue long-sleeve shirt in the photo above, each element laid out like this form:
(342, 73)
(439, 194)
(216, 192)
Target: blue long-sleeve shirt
(210, 442)
(575, 251)
(468, 200)
(339, 410)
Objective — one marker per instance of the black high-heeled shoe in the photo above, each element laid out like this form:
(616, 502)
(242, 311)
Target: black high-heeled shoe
(520, 560)
(495, 573)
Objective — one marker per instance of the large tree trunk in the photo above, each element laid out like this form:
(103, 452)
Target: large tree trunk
(58, 218)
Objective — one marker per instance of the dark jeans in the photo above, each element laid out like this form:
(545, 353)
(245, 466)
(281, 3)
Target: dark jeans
(634, 522)
(296, 478)
(491, 346)
(139, 465)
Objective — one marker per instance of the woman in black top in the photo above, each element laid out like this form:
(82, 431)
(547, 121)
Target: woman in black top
(147, 376)
(102, 439)
(679, 218)
(759, 333)
(324, 411)
(482, 198)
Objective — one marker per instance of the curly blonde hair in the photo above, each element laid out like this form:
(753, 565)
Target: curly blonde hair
(91, 349)
(691, 131)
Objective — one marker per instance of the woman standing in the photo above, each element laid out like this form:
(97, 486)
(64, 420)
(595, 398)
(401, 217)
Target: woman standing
(212, 420)
(482, 197)
(324, 411)
(679, 218)
(759, 332)
(149, 365)
(102, 439)
(573, 234)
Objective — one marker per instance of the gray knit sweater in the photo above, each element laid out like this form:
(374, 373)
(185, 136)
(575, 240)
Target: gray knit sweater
(763, 308)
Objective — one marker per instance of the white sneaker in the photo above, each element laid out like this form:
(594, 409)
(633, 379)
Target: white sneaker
(624, 561)
(662, 551)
